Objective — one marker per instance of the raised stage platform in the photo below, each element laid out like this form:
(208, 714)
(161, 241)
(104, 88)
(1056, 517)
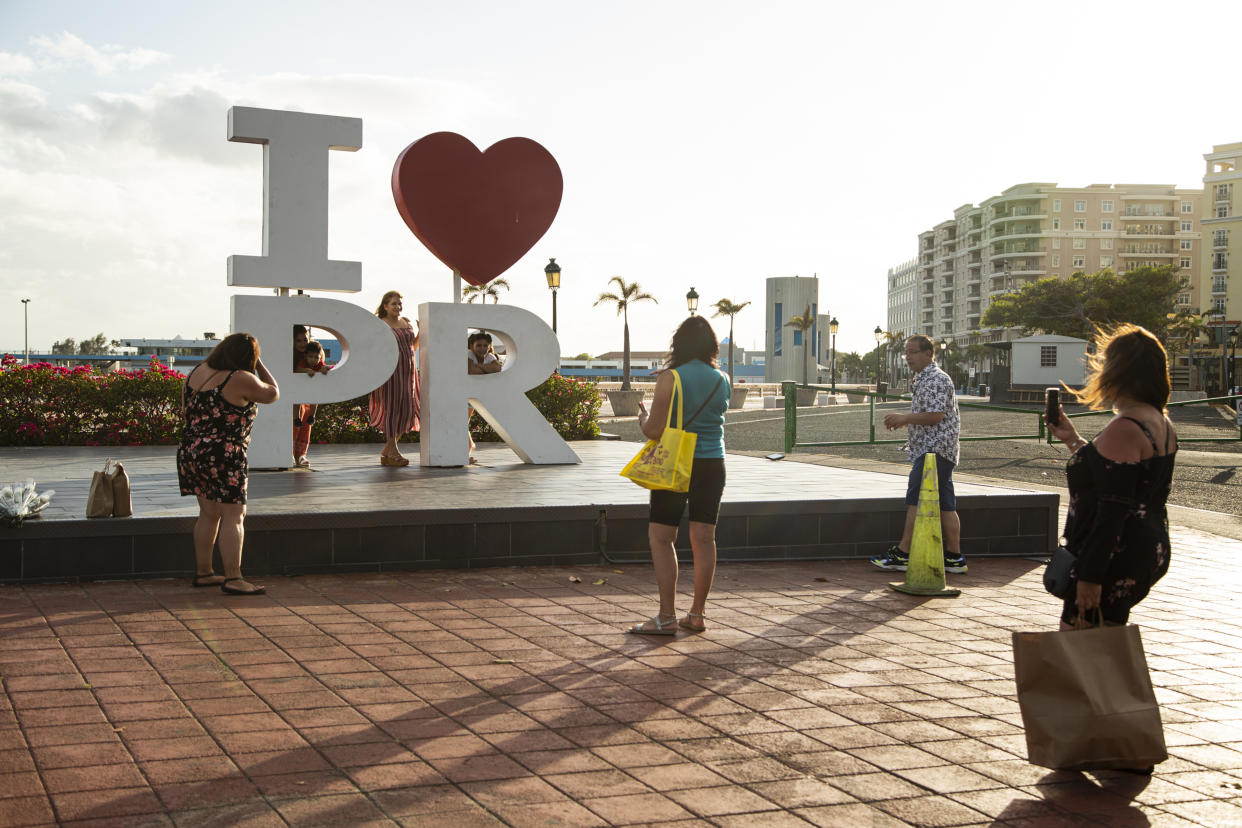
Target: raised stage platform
(351, 514)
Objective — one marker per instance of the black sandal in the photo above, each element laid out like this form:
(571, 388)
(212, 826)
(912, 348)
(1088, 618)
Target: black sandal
(200, 582)
(224, 587)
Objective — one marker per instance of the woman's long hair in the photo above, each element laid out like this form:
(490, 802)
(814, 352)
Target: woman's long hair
(1128, 362)
(693, 339)
(380, 311)
(236, 352)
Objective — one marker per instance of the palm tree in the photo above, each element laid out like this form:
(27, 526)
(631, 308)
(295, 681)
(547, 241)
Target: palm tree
(492, 289)
(726, 307)
(1189, 325)
(894, 346)
(803, 323)
(627, 294)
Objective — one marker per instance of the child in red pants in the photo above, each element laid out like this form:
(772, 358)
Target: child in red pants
(309, 361)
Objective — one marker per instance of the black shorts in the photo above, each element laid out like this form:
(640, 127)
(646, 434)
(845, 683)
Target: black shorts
(707, 482)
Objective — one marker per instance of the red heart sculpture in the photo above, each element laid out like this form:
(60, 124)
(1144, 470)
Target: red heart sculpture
(478, 212)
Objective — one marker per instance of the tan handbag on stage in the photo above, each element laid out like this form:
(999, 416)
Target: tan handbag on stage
(121, 506)
(109, 495)
(99, 501)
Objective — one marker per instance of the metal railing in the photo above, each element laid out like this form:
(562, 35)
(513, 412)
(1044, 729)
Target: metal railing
(1041, 432)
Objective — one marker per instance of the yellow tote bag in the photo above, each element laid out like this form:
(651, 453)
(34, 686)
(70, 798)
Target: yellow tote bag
(666, 463)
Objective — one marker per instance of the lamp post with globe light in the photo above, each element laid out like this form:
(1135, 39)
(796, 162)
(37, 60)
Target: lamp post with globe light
(832, 361)
(882, 359)
(26, 325)
(692, 301)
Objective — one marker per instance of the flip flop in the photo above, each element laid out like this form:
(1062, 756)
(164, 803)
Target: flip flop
(200, 580)
(687, 624)
(225, 588)
(655, 626)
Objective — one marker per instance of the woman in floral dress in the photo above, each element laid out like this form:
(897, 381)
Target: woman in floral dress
(1119, 482)
(394, 405)
(218, 402)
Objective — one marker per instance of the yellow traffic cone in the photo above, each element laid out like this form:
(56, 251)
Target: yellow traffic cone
(925, 570)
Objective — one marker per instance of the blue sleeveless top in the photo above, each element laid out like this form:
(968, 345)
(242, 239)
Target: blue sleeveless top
(699, 382)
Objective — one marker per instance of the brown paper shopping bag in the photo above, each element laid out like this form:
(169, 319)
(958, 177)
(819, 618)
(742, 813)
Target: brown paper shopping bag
(99, 501)
(1087, 700)
(121, 506)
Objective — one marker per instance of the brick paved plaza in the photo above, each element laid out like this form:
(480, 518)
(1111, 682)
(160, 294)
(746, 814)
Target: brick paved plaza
(511, 696)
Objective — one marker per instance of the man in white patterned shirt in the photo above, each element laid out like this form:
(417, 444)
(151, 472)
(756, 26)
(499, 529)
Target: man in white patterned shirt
(933, 426)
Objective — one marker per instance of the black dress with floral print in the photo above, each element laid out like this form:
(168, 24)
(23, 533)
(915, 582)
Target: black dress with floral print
(1117, 527)
(211, 461)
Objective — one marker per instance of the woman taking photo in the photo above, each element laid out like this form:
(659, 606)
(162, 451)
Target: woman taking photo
(218, 403)
(1116, 526)
(706, 390)
(394, 405)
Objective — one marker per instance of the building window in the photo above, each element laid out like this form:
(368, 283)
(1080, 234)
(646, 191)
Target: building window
(797, 337)
(1187, 226)
(1106, 261)
(1186, 244)
(1106, 244)
(1056, 224)
(1056, 244)
(1183, 299)
(1056, 261)
(1185, 264)
(1220, 238)
(1079, 262)
(1080, 224)
(1056, 205)
(1106, 224)
(1047, 356)
(1080, 206)
(1222, 211)
(776, 337)
(1188, 207)
(1080, 244)
(1218, 304)
(1106, 206)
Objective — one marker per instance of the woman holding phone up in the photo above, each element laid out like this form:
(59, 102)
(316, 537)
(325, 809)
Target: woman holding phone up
(1119, 482)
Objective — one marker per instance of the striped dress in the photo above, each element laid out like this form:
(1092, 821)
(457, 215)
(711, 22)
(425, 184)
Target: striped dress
(394, 405)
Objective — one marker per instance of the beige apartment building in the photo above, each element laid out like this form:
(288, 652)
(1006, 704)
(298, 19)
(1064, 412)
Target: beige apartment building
(1039, 230)
(1222, 230)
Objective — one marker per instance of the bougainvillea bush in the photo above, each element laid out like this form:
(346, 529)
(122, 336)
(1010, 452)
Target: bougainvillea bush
(46, 405)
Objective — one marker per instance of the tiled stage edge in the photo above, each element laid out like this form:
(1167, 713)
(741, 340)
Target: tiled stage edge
(1005, 523)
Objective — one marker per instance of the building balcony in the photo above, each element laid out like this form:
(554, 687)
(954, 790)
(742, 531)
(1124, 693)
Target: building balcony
(1135, 213)
(1131, 253)
(1008, 254)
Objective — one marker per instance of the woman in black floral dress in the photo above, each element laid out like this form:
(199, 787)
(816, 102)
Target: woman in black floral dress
(218, 401)
(1119, 482)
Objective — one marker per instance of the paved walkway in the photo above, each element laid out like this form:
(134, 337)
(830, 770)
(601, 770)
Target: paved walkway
(510, 696)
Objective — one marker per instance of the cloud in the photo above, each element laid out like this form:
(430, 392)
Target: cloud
(68, 49)
(12, 65)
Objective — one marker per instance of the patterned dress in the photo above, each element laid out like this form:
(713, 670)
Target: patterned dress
(394, 405)
(211, 460)
(1117, 526)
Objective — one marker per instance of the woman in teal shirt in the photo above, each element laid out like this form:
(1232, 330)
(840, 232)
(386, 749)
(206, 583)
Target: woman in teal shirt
(706, 389)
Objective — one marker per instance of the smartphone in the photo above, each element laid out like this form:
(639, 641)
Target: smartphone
(1052, 406)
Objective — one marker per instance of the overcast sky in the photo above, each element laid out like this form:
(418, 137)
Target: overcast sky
(707, 144)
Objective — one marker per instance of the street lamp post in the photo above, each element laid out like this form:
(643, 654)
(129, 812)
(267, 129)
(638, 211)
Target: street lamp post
(553, 271)
(881, 368)
(832, 361)
(26, 325)
(692, 301)
(1224, 379)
